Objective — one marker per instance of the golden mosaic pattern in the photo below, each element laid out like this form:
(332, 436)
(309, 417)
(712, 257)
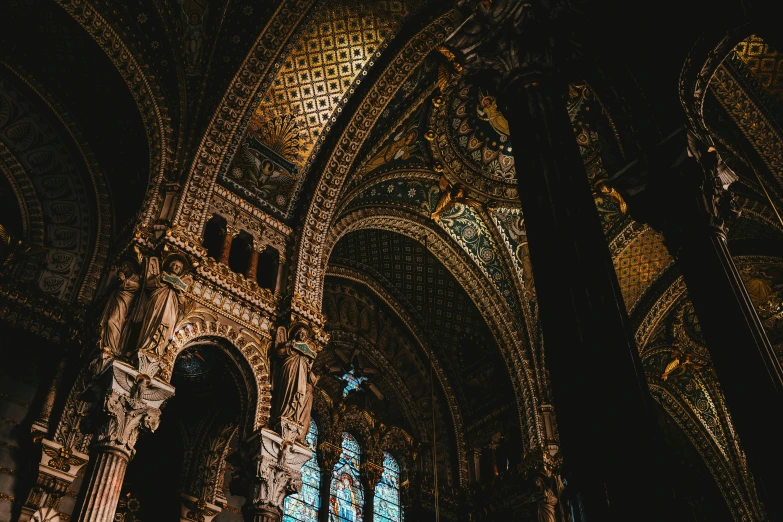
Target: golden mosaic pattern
(765, 62)
(639, 264)
(330, 52)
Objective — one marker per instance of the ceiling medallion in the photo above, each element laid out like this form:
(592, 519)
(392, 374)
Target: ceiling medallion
(473, 144)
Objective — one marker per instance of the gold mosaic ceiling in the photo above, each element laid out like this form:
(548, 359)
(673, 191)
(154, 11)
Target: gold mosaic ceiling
(330, 52)
(764, 62)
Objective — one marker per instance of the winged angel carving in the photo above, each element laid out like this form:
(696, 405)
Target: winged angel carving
(127, 413)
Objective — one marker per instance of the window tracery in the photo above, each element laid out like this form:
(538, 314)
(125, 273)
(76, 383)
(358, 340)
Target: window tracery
(303, 506)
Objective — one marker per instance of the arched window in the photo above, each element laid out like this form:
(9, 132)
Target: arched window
(387, 493)
(346, 494)
(303, 506)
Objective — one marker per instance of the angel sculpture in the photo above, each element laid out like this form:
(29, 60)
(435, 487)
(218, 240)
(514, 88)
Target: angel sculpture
(678, 364)
(292, 376)
(163, 298)
(116, 312)
(605, 191)
(450, 196)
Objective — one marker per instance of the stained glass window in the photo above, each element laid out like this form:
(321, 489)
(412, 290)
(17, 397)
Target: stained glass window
(387, 493)
(346, 494)
(352, 382)
(303, 506)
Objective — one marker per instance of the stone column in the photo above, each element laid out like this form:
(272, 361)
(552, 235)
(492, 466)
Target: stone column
(126, 402)
(606, 417)
(679, 192)
(274, 473)
(252, 266)
(371, 474)
(328, 456)
(41, 424)
(282, 273)
(228, 238)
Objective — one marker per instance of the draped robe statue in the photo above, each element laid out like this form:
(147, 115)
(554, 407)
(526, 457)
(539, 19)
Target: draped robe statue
(116, 311)
(159, 311)
(547, 501)
(292, 373)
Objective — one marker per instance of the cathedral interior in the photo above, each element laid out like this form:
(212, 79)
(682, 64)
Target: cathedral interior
(386, 260)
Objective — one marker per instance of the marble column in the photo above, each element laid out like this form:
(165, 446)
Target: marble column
(126, 402)
(606, 418)
(679, 192)
(274, 473)
(252, 266)
(228, 238)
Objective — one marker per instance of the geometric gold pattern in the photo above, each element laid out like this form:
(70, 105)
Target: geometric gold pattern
(765, 62)
(329, 53)
(639, 264)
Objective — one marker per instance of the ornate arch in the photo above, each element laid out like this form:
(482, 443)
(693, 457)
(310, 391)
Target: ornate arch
(410, 323)
(247, 350)
(700, 67)
(718, 464)
(494, 309)
(26, 197)
(40, 157)
(145, 91)
(309, 261)
(230, 119)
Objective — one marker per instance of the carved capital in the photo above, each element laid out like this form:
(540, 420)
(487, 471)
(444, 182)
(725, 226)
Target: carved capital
(371, 474)
(328, 455)
(679, 189)
(125, 403)
(503, 41)
(275, 472)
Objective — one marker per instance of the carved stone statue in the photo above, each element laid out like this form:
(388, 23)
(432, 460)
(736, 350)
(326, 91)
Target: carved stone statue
(117, 307)
(291, 376)
(546, 500)
(159, 311)
(307, 406)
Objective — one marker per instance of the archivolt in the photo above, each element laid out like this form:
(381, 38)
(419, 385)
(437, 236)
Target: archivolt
(235, 109)
(396, 306)
(247, 351)
(308, 278)
(145, 91)
(493, 308)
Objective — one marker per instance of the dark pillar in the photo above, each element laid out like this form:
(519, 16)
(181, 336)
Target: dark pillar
(679, 193)
(371, 474)
(606, 421)
(328, 455)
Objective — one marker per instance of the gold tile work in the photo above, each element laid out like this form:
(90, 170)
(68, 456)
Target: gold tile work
(328, 55)
(639, 264)
(765, 62)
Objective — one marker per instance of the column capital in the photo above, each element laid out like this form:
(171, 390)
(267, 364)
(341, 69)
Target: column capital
(371, 473)
(126, 402)
(275, 472)
(508, 41)
(679, 189)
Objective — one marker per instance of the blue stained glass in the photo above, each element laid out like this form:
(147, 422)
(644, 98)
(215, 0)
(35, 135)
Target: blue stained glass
(352, 382)
(387, 493)
(303, 506)
(346, 500)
